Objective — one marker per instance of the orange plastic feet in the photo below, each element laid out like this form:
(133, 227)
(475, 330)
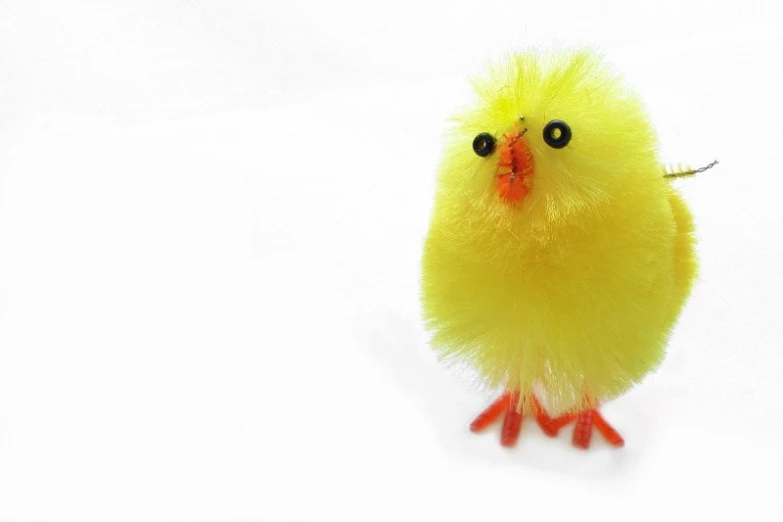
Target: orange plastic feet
(512, 422)
(583, 430)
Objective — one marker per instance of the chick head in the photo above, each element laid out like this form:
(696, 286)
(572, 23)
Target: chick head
(552, 135)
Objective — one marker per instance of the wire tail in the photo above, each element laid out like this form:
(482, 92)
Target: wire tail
(680, 170)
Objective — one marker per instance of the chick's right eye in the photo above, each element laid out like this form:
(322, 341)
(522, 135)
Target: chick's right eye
(484, 144)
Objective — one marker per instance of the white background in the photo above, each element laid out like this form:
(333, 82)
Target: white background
(211, 216)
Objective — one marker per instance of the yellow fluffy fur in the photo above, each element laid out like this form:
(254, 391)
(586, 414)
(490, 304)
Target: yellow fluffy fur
(573, 291)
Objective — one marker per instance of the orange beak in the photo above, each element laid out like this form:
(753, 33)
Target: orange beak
(515, 168)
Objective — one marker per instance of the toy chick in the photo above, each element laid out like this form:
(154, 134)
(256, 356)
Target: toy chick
(559, 255)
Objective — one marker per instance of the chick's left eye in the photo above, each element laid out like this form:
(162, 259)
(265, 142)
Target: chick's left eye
(557, 134)
(484, 144)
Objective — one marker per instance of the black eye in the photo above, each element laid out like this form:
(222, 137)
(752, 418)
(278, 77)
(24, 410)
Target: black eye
(557, 134)
(484, 144)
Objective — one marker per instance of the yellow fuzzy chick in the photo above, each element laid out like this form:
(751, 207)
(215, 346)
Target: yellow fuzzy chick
(558, 256)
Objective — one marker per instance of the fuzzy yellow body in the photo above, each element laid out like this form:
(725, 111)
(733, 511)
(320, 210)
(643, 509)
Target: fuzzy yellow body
(571, 292)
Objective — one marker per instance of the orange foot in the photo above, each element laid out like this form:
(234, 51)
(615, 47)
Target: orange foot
(507, 403)
(583, 430)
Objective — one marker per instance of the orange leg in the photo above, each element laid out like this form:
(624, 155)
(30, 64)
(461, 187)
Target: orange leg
(583, 430)
(512, 422)
(490, 415)
(550, 426)
(608, 432)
